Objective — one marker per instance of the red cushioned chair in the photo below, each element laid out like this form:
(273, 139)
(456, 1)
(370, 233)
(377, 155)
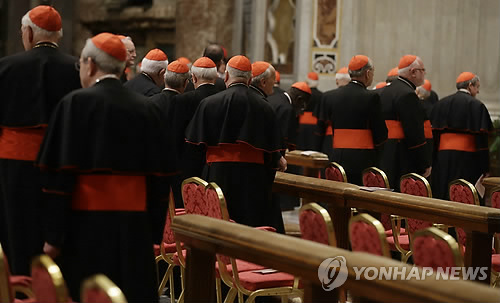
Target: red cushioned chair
(47, 281)
(207, 199)
(375, 177)
(166, 251)
(367, 235)
(335, 172)
(100, 289)
(9, 285)
(462, 191)
(434, 248)
(316, 224)
(416, 185)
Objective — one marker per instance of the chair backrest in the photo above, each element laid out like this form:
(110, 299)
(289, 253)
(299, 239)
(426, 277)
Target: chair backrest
(434, 248)
(495, 197)
(463, 191)
(202, 198)
(6, 292)
(374, 177)
(316, 224)
(47, 281)
(335, 172)
(100, 289)
(367, 235)
(416, 185)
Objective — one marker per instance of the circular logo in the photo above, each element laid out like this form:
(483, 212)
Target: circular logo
(332, 273)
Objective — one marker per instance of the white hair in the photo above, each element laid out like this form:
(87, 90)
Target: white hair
(312, 83)
(103, 60)
(236, 73)
(265, 75)
(421, 91)
(339, 76)
(204, 73)
(38, 32)
(405, 72)
(153, 66)
(175, 80)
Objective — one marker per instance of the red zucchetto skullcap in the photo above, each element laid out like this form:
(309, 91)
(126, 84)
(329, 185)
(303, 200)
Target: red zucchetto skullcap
(156, 55)
(111, 45)
(465, 76)
(302, 86)
(184, 60)
(178, 67)
(343, 70)
(241, 63)
(406, 61)
(258, 67)
(278, 76)
(46, 17)
(224, 51)
(380, 85)
(358, 62)
(121, 37)
(427, 85)
(204, 62)
(393, 72)
(313, 76)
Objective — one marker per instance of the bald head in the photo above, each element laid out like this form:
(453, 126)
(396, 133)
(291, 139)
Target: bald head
(215, 53)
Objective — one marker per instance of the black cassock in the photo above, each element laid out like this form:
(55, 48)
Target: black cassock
(104, 175)
(358, 127)
(143, 84)
(461, 124)
(286, 116)
(241, 136)
(32, 83)
(309, 134)
(407, 149)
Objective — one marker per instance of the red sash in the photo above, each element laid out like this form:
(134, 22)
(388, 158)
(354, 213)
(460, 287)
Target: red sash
(353, 138)
(461, 142)
(110, 193)
(21, 143)
(239, 152)
(308, 118)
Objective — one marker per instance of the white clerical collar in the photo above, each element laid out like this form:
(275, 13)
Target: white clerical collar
(463, 90)
(106, 77)
(171, 89)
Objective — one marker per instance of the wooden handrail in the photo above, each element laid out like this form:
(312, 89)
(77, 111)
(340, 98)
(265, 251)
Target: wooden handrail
(479, 222)
(204, 237)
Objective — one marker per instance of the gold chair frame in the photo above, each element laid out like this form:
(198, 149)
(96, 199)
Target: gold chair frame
(377, 171)
(379, 228)
(464, 182)
(440, 235)
(102, 282)
(5, 287)
(316, 208)
(55, 274)
(341, 169)
(495, 276)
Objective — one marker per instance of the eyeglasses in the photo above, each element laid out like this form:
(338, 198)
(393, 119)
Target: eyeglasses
(420, 69)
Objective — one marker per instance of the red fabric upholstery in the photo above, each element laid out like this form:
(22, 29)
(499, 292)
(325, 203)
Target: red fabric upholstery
(42, 285)
(404, 242)
(169, 248)
(495, 262)
(175, 257)
(253, 281)
(373, 180)
(415, 224)
(414, 187)
(7, 274)
(94, 295)
(242, 266)
(23, 281)
(364, 237)
(385, 219)
(402, 231)
(495, 199)
(462, 236)
(461, 193)
(334, 174)
(313, 227)
(429, 252)
(168, 234)
(199, 201)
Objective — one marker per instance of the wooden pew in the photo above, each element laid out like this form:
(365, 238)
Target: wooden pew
(480, 223)
(310, 164)
(490, 183)
(204, 237)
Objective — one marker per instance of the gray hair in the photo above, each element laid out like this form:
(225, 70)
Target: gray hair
(203, 73)
(175, 80)
(103, 60)
(405, 72)
(465, 84)
(265, 75)
(359, 72)
(38, 32)
(236, 73)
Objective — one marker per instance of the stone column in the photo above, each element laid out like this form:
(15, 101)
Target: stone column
(200, 22)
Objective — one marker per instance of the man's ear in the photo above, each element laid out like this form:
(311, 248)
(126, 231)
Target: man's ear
(249, 81)
(92, 67)
(161, 73)
(194, 78)
(30, 35)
